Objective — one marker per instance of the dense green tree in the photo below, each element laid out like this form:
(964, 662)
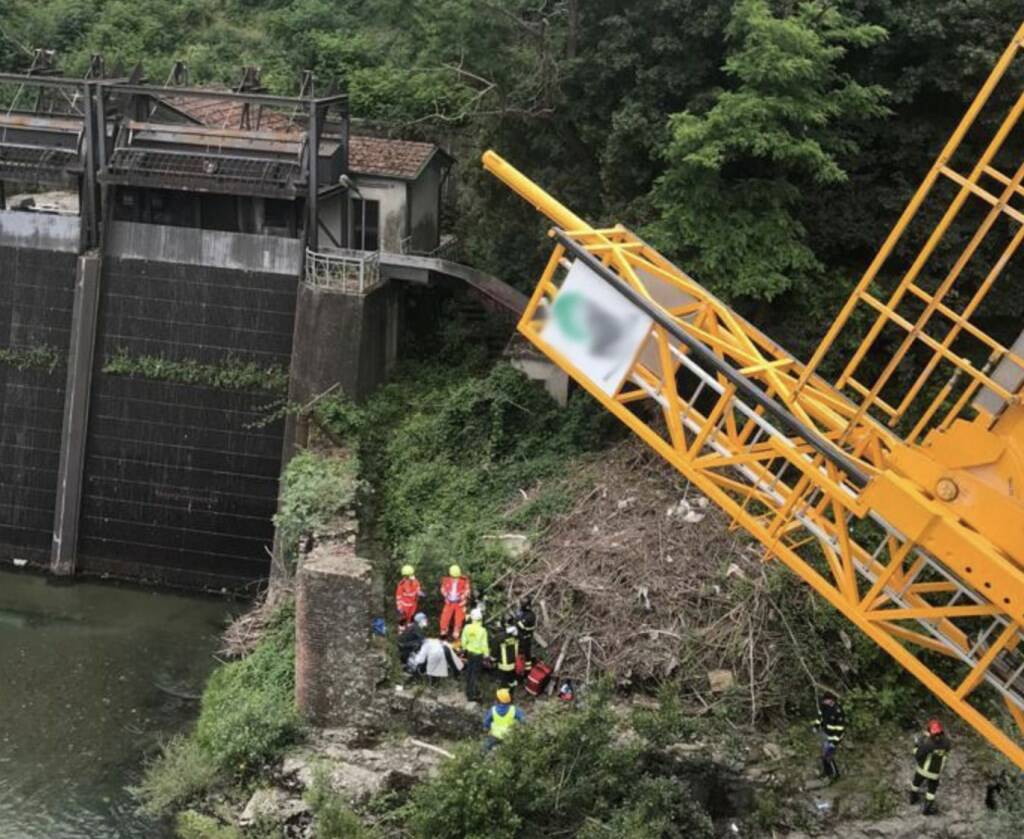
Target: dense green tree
(736, 174)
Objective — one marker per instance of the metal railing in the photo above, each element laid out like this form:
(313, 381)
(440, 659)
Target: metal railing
(347, 271)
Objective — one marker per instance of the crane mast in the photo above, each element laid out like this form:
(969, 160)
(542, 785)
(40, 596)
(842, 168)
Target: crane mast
(896, 490)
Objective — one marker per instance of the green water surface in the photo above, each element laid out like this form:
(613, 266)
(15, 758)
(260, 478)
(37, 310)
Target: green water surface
(92, 677)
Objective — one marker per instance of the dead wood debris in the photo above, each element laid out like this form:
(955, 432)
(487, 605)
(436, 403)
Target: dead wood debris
(245, 631)
(643, 580)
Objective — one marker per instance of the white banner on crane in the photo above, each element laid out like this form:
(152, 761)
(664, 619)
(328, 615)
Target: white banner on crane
(596, 328)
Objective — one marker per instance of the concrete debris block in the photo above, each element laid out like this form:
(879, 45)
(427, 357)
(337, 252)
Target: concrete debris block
(721, 680)
(625, 503)
(735, 571)
(273, 805)
(514, 544)
(772, 751)
(702, 502)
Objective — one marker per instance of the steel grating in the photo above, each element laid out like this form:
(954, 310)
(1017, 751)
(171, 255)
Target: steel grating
(179, 170)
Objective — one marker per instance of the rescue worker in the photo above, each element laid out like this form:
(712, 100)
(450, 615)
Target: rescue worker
(501, 719)
(412, 637)
(831, 726)
(407, 596)
(508, 651)
(930, 755)
(526, 623)
(455, 593)
(476, 646)
(436, 659)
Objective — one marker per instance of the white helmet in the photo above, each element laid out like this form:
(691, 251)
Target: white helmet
(476, 615)
(511, 630)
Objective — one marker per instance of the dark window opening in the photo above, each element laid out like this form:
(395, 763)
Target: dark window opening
(365, 225)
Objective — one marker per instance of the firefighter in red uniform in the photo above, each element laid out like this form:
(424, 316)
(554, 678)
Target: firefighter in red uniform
(407, 596)
(455, 594)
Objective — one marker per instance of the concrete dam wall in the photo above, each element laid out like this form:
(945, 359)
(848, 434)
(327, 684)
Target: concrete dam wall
(37, 278)
(179, 479)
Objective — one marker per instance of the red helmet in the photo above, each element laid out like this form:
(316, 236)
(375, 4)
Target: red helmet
(934, 726)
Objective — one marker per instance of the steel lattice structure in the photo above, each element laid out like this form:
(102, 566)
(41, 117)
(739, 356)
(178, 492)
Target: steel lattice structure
(896, 491)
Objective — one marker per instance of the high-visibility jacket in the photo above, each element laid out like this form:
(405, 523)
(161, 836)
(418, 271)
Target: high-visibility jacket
(474, 639)
(455, 590)
(503, 723)
(832, 721)
(508, 650)
(930, 756)
(407, 593)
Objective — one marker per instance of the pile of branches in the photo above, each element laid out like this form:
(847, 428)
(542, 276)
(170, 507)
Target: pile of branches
(644, 580)
(245, 632)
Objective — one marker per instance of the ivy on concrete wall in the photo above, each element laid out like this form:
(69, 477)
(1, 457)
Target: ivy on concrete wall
(39, 357)
(229, 374)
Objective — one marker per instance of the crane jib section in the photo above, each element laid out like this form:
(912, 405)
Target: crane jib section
(905, 517)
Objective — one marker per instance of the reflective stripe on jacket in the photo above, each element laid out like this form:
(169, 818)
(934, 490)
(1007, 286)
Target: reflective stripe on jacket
(931, 755)
(507, 652)
(455, 589)
(407, 593)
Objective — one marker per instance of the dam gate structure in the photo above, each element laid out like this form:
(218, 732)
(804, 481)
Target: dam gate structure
(204, 259)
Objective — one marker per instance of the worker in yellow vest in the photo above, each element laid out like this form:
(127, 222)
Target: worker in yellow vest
(501, 719)
(476, 646)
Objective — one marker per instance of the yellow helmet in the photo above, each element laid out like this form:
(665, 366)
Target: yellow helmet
(454, 571)
(503, 696)
(408, 570)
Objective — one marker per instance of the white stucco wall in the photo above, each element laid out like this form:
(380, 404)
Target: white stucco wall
(392, 198)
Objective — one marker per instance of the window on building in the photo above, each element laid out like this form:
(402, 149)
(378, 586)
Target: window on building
(365, 225)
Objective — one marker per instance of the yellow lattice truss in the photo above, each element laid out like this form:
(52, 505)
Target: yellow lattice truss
(905, 512)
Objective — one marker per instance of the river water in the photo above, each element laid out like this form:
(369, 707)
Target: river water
(92, 677)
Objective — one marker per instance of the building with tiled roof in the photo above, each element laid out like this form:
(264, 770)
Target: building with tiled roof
(400, 181)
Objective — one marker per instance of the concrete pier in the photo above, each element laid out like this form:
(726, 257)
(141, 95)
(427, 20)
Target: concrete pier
(336, 669)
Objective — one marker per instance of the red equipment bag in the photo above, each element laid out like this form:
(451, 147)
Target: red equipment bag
(538, 677)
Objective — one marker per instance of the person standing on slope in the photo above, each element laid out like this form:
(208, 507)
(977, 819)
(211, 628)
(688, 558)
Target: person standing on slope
(408, 593)
(455, 594)
(929, 757)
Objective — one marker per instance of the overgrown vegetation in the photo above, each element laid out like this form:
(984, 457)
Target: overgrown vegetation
(567, 772)
(455, 454)
(333, 818)
(31, 358)
(316, 488)
(248, 714)
(229, 374)
(247, 718)
(182, 773)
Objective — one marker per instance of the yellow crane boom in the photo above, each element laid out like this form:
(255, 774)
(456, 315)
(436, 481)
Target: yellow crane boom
(895, 491)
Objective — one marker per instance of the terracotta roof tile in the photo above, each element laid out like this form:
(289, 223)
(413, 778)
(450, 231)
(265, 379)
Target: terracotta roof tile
(389, 158)
(381, 156)
(227, 113)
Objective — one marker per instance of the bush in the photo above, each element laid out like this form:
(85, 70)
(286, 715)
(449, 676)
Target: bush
(564, 773)
(316, 489)
(248, 715)
(193, 825)
(332, 817)
(448, 450)
(180, 774)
